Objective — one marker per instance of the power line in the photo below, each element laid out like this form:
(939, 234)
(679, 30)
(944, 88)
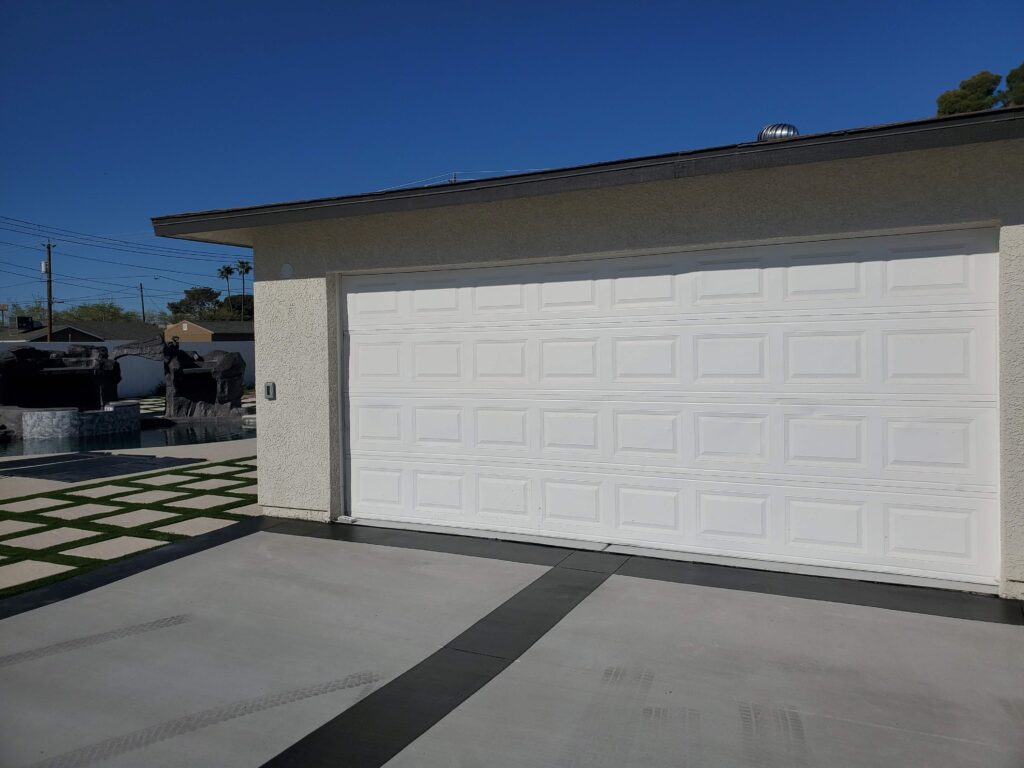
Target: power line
(111, 261)
(104, 282)
(105, 239)
(111, 247)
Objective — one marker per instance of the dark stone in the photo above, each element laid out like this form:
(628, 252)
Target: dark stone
(197, 387)
(84, 377)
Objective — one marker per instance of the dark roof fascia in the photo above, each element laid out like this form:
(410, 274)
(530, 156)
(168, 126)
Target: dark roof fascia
(933, 133)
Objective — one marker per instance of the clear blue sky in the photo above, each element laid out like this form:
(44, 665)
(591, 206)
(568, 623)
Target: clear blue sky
(113, 112)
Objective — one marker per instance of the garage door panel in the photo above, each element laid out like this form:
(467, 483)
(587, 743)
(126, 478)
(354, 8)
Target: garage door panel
(831, 403)
(842, 275)
(878, 530)
(943, 352)
(903, 447)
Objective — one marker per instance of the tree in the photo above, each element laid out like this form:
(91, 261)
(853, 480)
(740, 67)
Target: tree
(235, 307)
(198, 303)
(974, 94)
(102, 311)
(244, 268)
(36, 309)
(225, 273)
(99, 312)
(1013, 95)
(979, 92)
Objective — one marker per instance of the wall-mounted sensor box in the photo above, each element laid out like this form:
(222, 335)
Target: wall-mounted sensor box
(270, 391)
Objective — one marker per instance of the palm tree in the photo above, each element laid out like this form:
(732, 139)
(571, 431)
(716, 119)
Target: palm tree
(244, 268)
(225, 273)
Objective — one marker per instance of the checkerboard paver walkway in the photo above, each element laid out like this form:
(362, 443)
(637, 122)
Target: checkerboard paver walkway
(156, 406)
(51, 536)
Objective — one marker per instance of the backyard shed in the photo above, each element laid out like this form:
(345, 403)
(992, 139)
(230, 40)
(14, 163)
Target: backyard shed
(210, 330)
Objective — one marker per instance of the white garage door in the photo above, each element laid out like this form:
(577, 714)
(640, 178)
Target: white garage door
(830, 403)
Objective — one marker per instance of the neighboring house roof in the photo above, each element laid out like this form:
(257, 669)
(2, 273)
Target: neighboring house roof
(14, 334)
(233, 224)
(220, 326)
(100, 331)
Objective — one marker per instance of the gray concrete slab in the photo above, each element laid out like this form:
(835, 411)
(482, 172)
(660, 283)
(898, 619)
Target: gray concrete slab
(225, 450)
(658, 674)
(226, 657)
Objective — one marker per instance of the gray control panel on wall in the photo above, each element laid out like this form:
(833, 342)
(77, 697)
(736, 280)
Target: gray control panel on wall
(270, 391)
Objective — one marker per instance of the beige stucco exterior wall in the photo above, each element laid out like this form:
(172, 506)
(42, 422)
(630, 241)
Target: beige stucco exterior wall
(298, 445)
(297, 326)
(933, 188)
(1011, 406)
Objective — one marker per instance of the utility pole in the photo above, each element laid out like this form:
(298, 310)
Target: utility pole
(49, 290)
(142, 299)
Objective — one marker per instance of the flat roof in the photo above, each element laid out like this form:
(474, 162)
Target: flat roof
(931, 133)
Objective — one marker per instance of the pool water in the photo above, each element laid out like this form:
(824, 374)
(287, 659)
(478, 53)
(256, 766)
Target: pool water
(154, 437)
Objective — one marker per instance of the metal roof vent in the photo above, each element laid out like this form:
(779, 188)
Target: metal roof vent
(777, 132)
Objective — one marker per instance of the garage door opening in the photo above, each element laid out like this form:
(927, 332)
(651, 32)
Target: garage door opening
(829, 403)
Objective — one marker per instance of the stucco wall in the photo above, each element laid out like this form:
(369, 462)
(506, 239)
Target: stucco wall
(977, 183)
(1011, 404)
(295, 440)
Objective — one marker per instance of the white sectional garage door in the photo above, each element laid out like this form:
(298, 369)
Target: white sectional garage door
(830, 403)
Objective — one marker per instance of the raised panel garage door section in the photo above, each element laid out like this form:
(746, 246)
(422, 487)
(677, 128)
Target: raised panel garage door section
(831, 403)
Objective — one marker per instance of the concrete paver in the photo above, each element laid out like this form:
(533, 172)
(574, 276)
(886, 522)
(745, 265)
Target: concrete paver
(137, 517)
(149, 497)
(14, 526)
(114, 548)
(99, 492)
(80, 510)
(49, 538)
(161, 479)
(219, 469)
(195, 526)
(211, 484)
(253, 510)
(201, 502)
(24, 571)
(32, 505)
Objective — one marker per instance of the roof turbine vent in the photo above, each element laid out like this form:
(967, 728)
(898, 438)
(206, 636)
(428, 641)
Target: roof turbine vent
(777, 132)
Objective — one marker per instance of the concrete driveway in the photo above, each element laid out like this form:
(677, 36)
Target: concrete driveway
(314, 645)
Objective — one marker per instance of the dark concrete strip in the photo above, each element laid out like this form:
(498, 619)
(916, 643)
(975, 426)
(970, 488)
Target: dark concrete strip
(99, 466)
(472, 546)
(79, 464)
(375, 729)
(100, 577)
(38, 461)
(509, 630)
(599, 562)
(895, 597)
(378, 727)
